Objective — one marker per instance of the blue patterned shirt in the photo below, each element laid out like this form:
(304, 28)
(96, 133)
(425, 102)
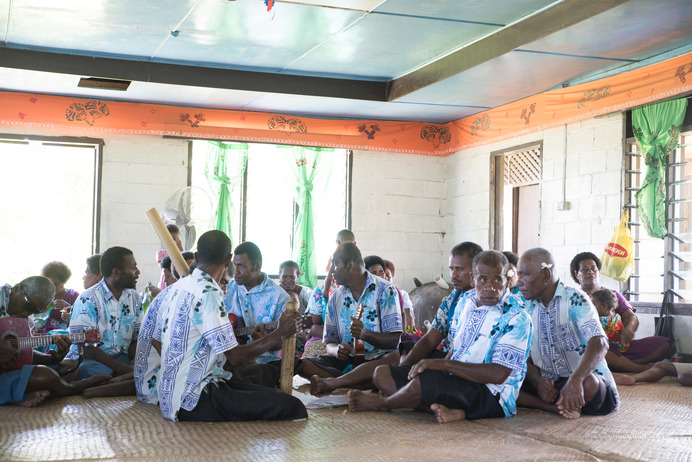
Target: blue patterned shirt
(117, 320)
(562, 332)
(318, 302)
(194, 334)
(444, 316)
(381, 313)
(499, 334)
(147, 359)
(5, 291)
(260, 305)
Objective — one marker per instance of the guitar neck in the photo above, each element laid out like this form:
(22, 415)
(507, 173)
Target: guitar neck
(46, 340)
(243, 331)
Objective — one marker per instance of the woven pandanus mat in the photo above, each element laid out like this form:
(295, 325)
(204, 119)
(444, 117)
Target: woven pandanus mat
(653, 423)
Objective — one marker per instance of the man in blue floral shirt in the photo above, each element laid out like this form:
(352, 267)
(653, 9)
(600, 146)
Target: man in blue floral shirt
(488, 362)
(114, 307)
(441, 331)
(379, 328)
(567, 372)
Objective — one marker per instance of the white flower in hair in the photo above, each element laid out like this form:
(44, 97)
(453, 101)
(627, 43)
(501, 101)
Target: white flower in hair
(546, 265)
(510, 273)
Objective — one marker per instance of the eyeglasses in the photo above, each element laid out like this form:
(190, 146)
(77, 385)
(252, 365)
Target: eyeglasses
(29, 307)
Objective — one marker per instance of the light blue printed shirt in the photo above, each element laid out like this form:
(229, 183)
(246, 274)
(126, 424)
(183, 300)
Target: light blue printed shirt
(563, 330)
(317, 304)
(194, 334)
(499, 334)
(5, 291)
(117, 320)
(147, 359)
(444, 316)
(260, 305)
(381, 313)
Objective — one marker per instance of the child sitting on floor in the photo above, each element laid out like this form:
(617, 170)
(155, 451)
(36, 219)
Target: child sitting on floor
(605, 302)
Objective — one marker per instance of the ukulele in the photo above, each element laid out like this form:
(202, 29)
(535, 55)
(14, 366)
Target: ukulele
(16, 331)
(305, 323)
(358, 347)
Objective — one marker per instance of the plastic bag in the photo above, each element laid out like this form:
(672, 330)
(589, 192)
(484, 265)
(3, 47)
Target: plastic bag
(617, 261)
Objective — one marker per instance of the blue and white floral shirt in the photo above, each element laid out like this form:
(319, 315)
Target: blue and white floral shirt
(147, 359)
(444, 316)
(317, 304)
(381, 313)
(562, 332)
(260, 305)
(194, 332)
(118, 321)
(498, 334)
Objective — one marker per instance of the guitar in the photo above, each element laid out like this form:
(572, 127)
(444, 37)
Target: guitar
(305, 323)
(358, 346)
(16, 331)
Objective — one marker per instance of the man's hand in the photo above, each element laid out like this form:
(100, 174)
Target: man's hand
(357, 328)
(571, 396)
(423, 365)
(63, 347)
(343, 351)
(287, 324)
(8, 355)
(258, 332)
(547, 391)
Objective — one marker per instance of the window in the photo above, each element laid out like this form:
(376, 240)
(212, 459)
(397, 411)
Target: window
(662, 264)
(264, 211)
(49, 191)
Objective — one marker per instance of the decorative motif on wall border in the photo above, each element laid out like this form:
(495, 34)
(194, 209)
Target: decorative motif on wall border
(86, 112)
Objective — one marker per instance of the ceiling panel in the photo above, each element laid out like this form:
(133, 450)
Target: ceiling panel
(388, 46)
(508, 78)
(242, 34)
(635, 30)
(484, 11)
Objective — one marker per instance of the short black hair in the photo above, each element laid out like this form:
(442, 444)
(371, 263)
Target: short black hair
(347, 235)
(187, 255)
(491, 258)
(213, 247)
(574, 265)
(251, 250)
(113, 258)
(172, 229)
(288, 264)
(57, 270)
(94, 264)
(349, 253)
(166, 263)
(469, 248)
(606, 297)
(372, 260)
(512, 257)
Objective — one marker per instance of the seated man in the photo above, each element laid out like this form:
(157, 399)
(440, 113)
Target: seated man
(33, 383)
(195, 340)
(488, 362)
(460, 262)
(567, 373)
(377, 267)
(254, 298)
(379, 329)
(345, 236)
(288, 275)
(114, 307)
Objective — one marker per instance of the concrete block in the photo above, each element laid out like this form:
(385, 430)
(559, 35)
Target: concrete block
(423, 206)
(578, 233)
(552, 234)
(609, 134)
(592, 209)
(592, 162)
(403, 222)
(434, 189)
(580, 141)
(607, 183)
(580, 186)
(615, 158)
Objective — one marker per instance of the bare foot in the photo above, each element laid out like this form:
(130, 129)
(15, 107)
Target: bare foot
(318, 385)
(78, 386)
(622, 379)
(360, 402)
(567, 414)
(34, 398)
(445, 414)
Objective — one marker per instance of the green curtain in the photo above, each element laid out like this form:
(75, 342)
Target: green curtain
(305, 162)
(224, 170)
(657, 129)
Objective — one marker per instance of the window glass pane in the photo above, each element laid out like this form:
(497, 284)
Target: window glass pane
(46, 220)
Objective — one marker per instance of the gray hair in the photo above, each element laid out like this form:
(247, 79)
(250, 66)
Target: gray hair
(39, 286)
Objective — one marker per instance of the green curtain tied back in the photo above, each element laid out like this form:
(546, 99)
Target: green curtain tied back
(657, 130)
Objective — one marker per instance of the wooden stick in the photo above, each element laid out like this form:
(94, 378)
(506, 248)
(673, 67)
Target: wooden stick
(167, 241)
(288, 354)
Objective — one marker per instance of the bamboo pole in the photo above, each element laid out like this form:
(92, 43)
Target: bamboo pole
(167, 241)
(288, 353)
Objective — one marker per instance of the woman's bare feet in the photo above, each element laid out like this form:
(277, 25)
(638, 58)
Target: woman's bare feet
(319, 386)
(363, 402)
(443, 414)
(34, 398)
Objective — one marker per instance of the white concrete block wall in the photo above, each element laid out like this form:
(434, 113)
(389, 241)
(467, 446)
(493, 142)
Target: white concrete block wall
(397, 212)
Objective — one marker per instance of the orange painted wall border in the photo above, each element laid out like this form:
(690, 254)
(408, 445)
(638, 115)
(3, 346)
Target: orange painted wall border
(87, 117)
